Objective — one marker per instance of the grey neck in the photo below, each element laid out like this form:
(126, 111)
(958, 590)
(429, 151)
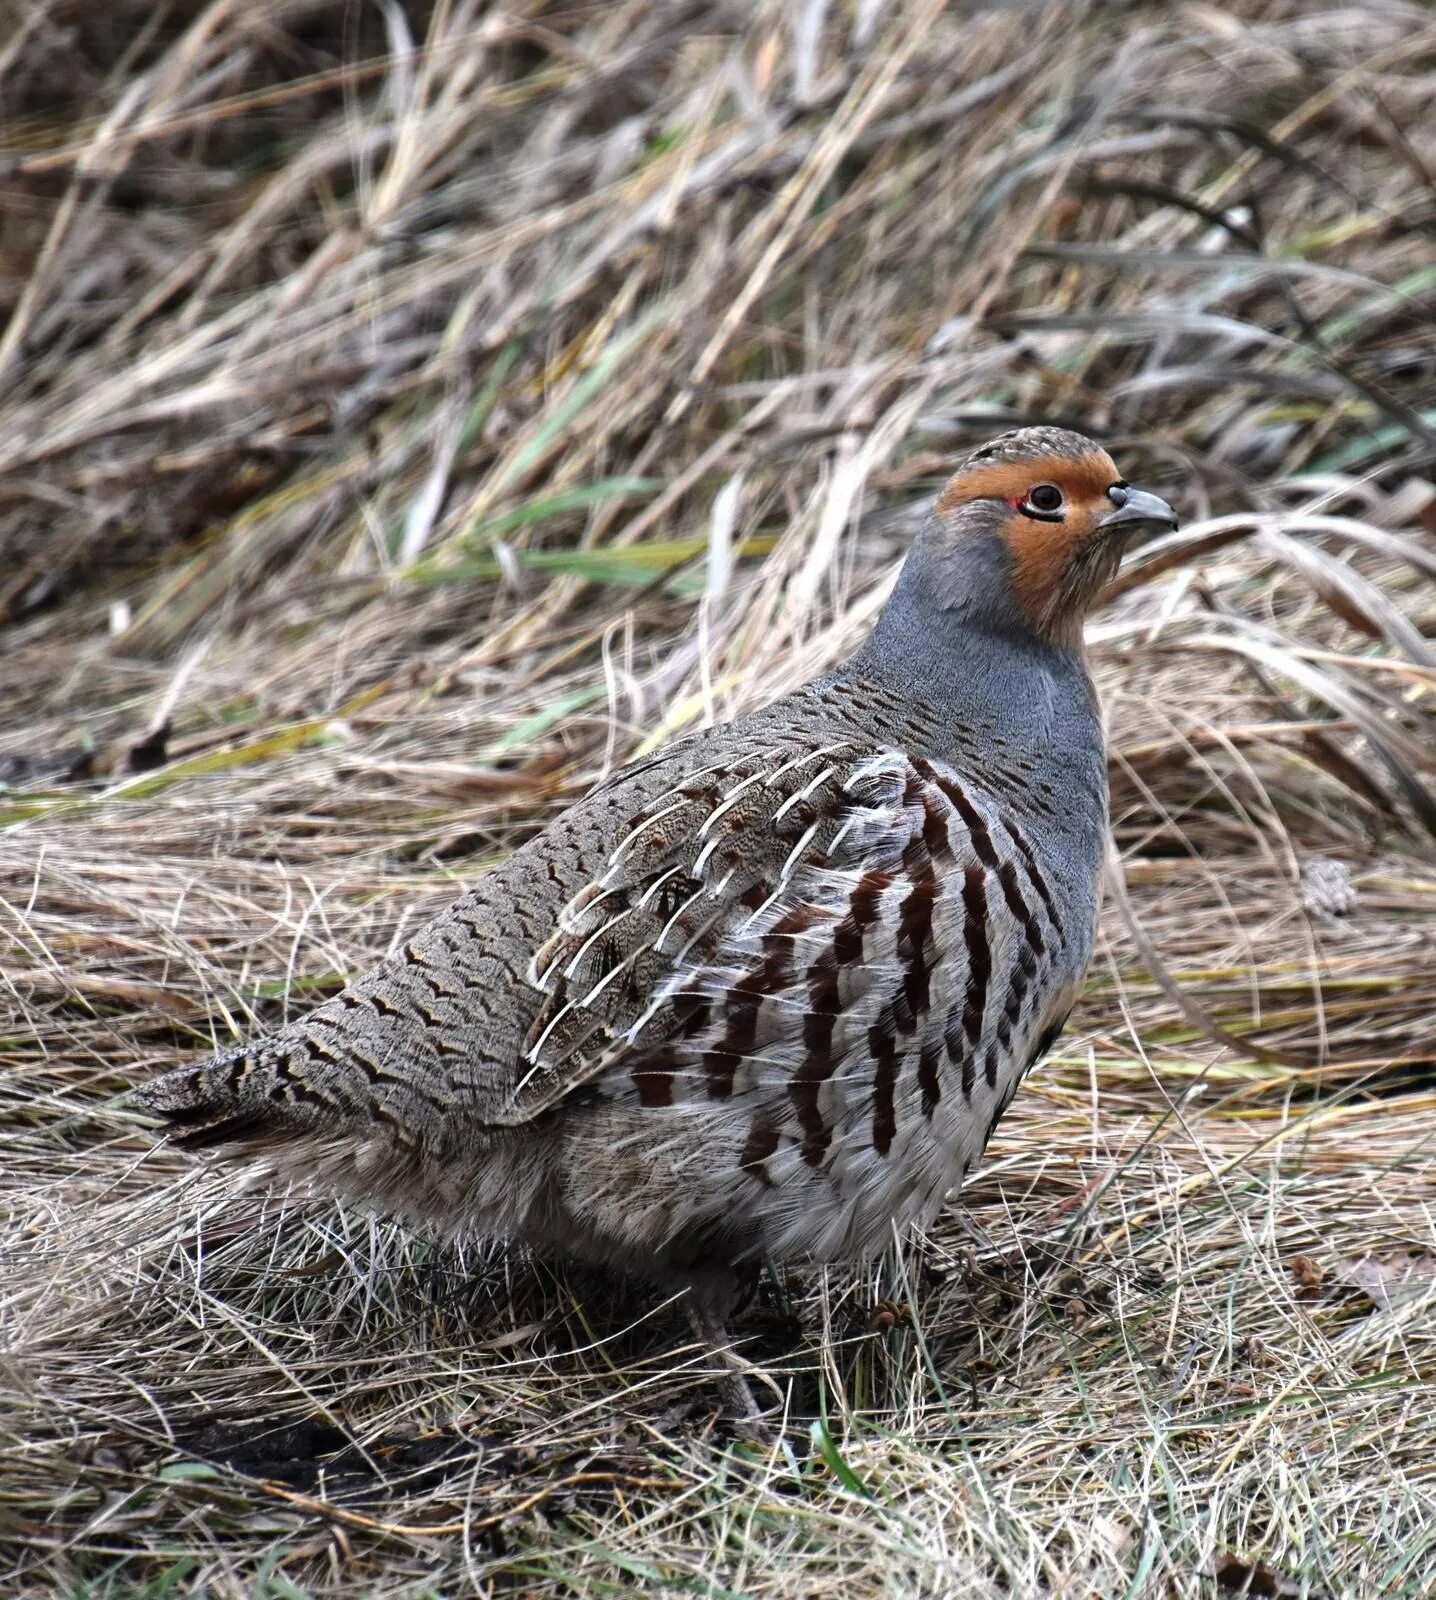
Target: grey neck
(952, 635)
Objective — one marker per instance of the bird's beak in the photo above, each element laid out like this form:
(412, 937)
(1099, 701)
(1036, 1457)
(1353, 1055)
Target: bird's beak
(1139, 511)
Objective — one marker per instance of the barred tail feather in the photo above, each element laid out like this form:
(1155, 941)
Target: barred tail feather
(265, 1105)
(240, 1099)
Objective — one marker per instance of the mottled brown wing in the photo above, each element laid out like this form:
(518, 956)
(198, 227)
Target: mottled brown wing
(680, 900)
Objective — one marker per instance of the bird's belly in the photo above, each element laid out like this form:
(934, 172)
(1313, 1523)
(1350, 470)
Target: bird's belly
(862, 1198)
(737, 1172)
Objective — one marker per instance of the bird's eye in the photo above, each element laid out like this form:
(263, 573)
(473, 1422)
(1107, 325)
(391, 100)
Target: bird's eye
(1045, 501)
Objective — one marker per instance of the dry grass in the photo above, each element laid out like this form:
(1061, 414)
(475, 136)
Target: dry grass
(407, 412)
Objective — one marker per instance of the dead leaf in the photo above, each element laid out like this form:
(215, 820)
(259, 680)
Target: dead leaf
(1309, 1275)
(887, 1315)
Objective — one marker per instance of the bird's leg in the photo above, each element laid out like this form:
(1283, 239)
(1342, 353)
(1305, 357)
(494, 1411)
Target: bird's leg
(710, 1299)
(738, 1399)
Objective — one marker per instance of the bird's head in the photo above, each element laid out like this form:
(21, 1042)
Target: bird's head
(1044, 514)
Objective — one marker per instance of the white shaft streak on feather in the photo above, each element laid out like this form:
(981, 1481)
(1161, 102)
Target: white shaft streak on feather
(660, 999)
(528, 1077)
(726, 804)
(536, 1052)
(796, 852)
(701, 859)
(799, 795)
(682, 953)
(616, 856)
(667, 927)
(802, 760)
(541, 979)
(608, 977)
(656, 885)
(847, 823)
(581, 1004)
(744, 927)
(675, 984)
(584, 901)
(573, 912)
(571, 970)
(885, 764)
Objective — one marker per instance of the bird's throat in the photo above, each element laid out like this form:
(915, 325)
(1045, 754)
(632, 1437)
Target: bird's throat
(965, 648)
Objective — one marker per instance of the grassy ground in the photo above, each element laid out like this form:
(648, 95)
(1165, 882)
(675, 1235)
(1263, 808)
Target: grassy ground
(407, 413)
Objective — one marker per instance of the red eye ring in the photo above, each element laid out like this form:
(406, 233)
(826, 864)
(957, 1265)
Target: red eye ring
(1043, 502)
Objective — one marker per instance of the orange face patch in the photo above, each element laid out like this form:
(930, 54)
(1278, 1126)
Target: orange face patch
(1083, 479)
(1043, 552)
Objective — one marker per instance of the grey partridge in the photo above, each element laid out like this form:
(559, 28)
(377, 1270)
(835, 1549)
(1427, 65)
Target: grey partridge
(766, 992)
